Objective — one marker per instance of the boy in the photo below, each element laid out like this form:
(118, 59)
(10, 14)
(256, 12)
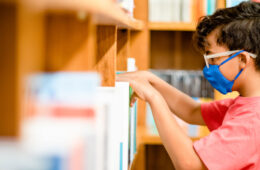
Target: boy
(230, 41)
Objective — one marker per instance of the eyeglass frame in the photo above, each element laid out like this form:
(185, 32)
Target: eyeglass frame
(222, 54)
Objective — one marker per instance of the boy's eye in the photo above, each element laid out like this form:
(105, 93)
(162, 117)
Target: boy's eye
(212, 60)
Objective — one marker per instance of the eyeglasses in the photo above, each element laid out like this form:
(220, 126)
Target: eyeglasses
(208, 58)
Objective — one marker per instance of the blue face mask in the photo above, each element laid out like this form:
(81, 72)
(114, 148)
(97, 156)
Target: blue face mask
(216, 78)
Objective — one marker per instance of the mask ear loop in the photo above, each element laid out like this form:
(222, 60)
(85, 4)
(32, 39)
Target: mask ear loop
(238, 75)
(233, 56)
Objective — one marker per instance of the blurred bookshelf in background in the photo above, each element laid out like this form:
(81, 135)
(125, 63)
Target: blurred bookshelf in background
(191, 83)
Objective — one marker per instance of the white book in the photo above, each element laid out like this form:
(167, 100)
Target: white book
(166, 10)
(107, 99)
(186, 8)
(133, 124)
(176, 10)
(132, 115)
(157, 10)
(151, 10)
(163, 11)
(116, 103)
(122, 99)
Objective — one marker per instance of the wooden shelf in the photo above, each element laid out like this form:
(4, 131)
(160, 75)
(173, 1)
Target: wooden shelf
(171, 26)
(104, 12)
(146, 138)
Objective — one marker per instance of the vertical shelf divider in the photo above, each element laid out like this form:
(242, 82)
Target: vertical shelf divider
(123, 49)
(106, 54)
(8, 95)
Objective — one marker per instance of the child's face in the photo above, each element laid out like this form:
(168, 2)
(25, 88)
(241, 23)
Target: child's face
(229, 69)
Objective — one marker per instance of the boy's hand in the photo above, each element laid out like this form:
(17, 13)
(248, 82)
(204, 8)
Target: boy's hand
(139, 81)
(144, 75)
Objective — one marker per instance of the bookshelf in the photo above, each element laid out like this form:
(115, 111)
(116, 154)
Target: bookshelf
(172, 26)
(85, 35)
(50, 36)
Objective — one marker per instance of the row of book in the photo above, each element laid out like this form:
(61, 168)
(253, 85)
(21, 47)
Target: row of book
(183, 10)
(192, 83)
(71, 123)
(191, 130)
(179, 10)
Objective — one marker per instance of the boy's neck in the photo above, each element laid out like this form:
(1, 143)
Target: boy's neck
(251, 85)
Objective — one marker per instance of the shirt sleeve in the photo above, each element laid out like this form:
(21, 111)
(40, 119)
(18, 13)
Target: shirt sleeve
(232, 146)
(213, 113)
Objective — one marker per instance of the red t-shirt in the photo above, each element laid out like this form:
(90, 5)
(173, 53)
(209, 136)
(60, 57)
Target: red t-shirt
(234, 141)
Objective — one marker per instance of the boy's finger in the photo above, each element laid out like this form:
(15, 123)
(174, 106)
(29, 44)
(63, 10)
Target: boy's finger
(121, 78)
(133, 99)
(133, 102)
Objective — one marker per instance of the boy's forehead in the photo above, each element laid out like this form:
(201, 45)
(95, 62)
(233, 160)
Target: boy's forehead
(211, 45)
(211, 39)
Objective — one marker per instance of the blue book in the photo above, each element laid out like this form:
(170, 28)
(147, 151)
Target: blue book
(211, 6)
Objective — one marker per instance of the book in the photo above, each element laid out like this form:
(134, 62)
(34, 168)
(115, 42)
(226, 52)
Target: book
(186, 10)
(64, 125)
(190, 130)
(132, 129)
(122, 91)
(164, 10)
(211, 7)
(231, 3)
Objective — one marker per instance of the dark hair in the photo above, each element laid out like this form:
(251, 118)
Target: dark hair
(239, 28)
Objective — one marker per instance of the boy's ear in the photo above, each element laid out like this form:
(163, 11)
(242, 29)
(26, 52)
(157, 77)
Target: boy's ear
(244, 58)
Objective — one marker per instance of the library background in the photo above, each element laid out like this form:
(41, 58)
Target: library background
(61, 108)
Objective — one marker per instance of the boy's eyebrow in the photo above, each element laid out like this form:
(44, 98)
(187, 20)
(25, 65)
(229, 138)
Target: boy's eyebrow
(208, 52)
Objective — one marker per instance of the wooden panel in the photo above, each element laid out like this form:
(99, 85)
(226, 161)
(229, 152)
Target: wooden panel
(221, 3)
(123, 49)
(8, 122)
(157, 158)
(141, 10)
(191, 58)
(70, 43)
(171, 26)
(30, 55)
(106, 54)
(139, 162)
(140, 50)
(8, 1)
(162, 49)
(175, 51)
(105, 11)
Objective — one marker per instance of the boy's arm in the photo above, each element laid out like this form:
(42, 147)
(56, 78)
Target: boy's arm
(178, 145)
(179, 103)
